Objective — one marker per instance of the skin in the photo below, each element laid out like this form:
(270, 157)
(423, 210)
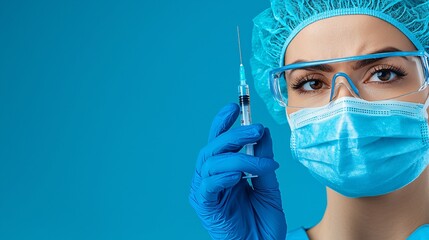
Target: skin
(392, 216)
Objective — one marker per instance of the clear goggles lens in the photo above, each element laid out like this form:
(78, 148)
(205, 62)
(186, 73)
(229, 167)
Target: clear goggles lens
(371, 77)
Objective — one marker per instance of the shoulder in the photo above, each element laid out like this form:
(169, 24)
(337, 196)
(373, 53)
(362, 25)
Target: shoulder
(297, 234)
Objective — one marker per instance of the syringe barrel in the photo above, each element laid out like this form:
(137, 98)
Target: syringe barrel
(246, 119)
(249, 149)
(243, 89)
(244, 99)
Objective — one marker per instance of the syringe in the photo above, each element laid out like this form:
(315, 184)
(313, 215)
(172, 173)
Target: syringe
(244, 99)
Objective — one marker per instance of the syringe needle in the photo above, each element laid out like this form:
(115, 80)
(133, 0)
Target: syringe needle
(239, 45)
(242, 71)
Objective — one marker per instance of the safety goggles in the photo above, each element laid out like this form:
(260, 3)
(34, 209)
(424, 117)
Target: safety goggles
(372, 77)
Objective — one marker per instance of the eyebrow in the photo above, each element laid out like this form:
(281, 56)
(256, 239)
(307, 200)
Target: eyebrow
(358, 65)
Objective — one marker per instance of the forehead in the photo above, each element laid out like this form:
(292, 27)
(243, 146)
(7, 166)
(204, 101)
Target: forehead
(343, 36)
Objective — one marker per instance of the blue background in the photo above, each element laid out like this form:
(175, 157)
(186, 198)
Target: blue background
(104, 106)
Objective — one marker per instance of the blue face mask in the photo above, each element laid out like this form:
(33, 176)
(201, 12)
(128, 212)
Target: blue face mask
(360, 148)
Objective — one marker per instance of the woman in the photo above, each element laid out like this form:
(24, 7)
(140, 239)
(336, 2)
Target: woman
(350, 78)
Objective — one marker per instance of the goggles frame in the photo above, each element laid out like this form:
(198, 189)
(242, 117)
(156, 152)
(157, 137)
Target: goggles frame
(275, 85)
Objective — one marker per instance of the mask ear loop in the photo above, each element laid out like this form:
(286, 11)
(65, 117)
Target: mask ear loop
(426, 67)
(425, 107)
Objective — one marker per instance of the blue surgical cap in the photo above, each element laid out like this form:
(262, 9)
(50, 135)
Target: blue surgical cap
(275, 28)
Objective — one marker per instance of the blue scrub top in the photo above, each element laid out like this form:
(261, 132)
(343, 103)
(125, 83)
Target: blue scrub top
(421, 233)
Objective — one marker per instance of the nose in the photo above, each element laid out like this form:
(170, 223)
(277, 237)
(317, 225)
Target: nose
(343, 86)
(342, 90)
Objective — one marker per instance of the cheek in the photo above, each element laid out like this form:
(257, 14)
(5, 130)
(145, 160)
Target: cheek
(419, 97)
(291, 100)
(290, 111)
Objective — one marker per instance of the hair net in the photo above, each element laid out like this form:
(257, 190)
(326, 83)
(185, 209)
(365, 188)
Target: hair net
(275, 28)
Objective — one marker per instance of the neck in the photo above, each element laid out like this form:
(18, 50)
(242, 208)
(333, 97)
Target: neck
(392, 216)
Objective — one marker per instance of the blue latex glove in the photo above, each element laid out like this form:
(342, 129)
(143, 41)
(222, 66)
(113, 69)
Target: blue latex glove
(421, 233)
(228, 207)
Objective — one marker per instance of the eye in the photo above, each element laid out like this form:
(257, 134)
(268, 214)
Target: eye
(312, 85)
(309, 84)
(385, 74)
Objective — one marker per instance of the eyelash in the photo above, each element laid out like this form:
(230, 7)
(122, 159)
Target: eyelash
(396, 69)
(297, 85)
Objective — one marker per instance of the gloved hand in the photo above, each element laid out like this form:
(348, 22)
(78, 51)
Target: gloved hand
(228, 207)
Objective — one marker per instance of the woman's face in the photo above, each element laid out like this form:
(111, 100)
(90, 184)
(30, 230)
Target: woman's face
(344, 36)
